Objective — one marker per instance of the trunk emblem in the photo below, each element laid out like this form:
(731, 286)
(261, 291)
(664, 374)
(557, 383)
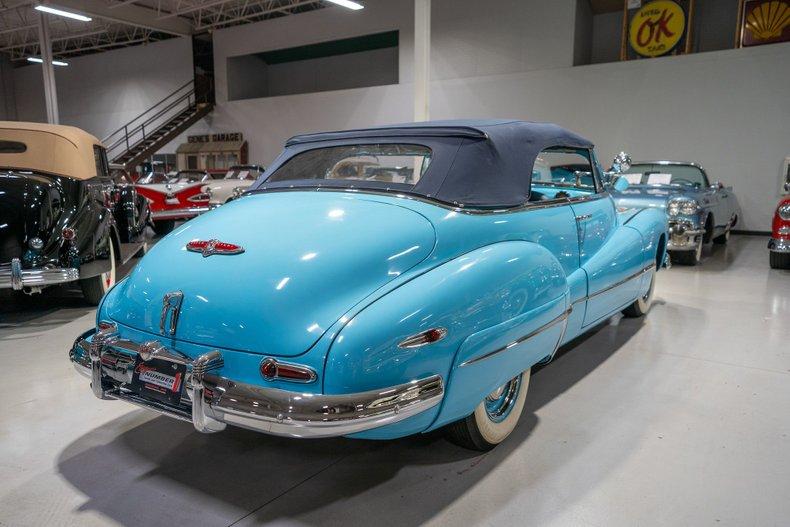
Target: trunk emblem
(209, 247)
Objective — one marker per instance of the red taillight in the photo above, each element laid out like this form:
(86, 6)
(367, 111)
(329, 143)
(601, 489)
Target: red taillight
(68, 233)
(273, 370)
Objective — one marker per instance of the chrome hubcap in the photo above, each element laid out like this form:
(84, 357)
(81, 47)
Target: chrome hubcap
(500, 402)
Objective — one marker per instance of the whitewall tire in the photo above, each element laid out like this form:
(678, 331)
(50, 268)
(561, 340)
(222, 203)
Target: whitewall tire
(494, 418)
(94, 288)
(641, 305)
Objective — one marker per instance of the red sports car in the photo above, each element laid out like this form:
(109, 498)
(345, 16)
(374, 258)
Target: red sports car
(172, 198)
(780, 235)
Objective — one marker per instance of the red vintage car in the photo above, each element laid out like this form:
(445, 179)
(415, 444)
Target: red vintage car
(779, 245)
(175, 197)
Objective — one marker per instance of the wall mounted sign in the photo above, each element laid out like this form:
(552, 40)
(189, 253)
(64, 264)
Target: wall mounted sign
(764, 22)
(657, 28)
(208, 138)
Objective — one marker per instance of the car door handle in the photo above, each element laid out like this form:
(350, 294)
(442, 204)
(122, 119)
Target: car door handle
(583, 217)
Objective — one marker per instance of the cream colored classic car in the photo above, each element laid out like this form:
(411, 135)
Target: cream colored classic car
(236, 181)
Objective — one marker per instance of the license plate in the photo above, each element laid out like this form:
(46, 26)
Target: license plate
(159, 379)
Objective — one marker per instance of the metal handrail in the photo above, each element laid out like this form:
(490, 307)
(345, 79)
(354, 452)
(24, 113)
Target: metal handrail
(138, 129)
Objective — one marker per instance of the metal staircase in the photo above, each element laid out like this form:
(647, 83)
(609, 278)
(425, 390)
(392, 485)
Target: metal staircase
(144, 135)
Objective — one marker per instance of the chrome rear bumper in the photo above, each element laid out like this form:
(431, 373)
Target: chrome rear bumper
(12, 276)
(211, 401)
(779, 245)
(175, 214)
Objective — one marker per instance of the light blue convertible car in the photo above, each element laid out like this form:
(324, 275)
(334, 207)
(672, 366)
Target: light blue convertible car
(699, 211)
(378, 283)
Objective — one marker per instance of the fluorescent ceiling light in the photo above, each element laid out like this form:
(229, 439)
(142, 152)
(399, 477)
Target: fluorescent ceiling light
(347, 3)
(54, 62)
(60, 12)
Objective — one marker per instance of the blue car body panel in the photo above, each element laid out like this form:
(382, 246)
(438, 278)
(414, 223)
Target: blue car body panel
(336, 279)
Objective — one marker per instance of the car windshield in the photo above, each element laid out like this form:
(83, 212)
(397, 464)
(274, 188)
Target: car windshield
(387, 163)
(188, 177)
(244, 173)
(153, 178)
(659, 174)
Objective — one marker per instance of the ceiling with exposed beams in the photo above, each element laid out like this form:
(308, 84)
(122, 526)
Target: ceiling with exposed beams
(120, 23)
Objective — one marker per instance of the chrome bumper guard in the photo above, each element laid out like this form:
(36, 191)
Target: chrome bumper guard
(683, 236)
(779, 245)
(12, 276)
(211, 401)
(174, 214)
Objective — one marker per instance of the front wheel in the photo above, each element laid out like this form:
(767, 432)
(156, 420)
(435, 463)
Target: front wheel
(722, 239)
(689, 257)
(641, 305)
(93, 288)
(494, 419)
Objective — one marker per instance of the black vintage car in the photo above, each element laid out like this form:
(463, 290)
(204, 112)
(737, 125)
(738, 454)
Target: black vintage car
(131, 211)
(56, 197)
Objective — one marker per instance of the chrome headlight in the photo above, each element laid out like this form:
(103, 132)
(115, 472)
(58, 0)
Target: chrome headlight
(684, 206)
(784, 212)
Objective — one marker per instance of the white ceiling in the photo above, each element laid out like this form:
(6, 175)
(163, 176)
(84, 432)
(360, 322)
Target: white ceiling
(119, 23)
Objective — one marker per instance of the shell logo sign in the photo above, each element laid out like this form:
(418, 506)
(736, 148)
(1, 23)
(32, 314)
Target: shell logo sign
(766, 22)
(657, 28)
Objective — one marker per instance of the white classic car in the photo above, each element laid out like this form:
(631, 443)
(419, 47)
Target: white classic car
(236, 181)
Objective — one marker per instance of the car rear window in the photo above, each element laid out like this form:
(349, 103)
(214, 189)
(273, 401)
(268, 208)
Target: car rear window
(12, 147)
(387, 163)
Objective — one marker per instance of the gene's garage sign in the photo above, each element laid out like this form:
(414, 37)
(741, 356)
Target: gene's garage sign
(657, 28)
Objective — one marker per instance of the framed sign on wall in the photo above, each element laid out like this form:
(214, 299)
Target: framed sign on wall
(656, 28)
(762, 22)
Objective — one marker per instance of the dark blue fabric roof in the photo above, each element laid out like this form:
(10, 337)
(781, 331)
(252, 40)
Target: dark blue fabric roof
(486, 163)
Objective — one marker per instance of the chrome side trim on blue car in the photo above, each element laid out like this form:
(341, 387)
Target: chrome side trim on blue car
(211, 401)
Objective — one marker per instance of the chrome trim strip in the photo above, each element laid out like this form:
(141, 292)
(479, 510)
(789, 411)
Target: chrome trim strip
(621, 282)
(530, 205)
(564, 316)
(12, 276)
(216, 401)
(178, 213)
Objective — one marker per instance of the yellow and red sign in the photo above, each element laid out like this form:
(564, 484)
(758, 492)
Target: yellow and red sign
(657, 28)
(765, 22)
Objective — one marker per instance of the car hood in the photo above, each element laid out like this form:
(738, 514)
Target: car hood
(643, 196)
(308, 258)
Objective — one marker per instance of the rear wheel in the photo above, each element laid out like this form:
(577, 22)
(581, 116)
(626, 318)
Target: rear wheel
(93, 288)
(163, 227)
(494, 419)
(641, 305)
(780, 260)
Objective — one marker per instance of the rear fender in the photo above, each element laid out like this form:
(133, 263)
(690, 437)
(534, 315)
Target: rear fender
(484, 299)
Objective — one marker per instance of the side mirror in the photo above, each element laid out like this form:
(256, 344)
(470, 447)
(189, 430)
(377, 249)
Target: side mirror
(621, 163)
(717, 185)
(787, 187)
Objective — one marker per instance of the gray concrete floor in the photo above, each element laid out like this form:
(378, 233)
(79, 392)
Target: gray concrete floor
(682, 418)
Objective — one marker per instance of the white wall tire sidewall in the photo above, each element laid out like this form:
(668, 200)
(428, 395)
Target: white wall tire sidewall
(111, 273)
(495, 433)
(645, 303)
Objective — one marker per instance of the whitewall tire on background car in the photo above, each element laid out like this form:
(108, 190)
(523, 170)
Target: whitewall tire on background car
(94, 288)
(494, 419)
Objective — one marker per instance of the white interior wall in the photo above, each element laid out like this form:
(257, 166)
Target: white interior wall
(101, 92)
(728, 109)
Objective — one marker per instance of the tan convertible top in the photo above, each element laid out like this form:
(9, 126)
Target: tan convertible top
(51, 148)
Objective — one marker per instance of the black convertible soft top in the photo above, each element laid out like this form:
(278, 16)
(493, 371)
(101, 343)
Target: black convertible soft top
(483, 163)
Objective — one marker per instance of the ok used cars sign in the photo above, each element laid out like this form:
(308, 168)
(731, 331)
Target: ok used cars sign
(657, 28)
